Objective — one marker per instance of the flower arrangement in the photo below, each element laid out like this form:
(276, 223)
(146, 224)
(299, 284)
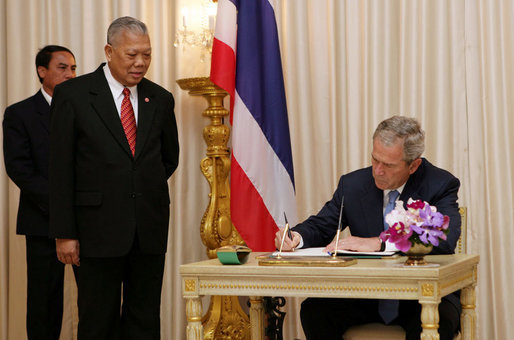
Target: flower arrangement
(421, 223)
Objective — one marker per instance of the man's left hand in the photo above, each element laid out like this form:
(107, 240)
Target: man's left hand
(68, 251)
(354, 243)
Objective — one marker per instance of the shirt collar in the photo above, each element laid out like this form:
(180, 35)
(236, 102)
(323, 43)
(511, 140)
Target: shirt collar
(400, 189)
(48, 97)
(116, 86)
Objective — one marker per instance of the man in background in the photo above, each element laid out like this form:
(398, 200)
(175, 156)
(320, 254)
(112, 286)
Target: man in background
(26, 142)
(114, 144)
(397, 172)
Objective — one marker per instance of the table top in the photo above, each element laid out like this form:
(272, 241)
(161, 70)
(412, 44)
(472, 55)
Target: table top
(386, 268)
(368, 278)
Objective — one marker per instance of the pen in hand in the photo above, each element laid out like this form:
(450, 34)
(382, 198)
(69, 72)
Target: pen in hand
(288, 230)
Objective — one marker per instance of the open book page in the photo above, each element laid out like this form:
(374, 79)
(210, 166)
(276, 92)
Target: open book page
(378, 253)
(316, 251)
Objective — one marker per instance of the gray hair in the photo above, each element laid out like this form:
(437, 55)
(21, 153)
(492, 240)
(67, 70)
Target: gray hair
(407, 130)
(125, 23)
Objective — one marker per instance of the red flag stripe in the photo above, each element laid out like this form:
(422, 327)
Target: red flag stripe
(223, 69)
(258, 231)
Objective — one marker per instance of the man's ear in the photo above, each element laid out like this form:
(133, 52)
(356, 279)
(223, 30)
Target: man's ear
(414, 165)
(41, 71)
(108, 52)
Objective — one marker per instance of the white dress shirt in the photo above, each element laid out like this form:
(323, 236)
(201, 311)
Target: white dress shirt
(47, 96)
(117, 92)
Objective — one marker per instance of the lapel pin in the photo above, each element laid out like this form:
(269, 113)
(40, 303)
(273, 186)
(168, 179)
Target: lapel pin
(147, 100)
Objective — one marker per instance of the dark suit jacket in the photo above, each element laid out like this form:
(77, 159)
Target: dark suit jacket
(99, 193)
(25, 128)
(363, 207)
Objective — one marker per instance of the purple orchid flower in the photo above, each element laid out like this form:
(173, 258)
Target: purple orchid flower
(420, 218)
(429, 235)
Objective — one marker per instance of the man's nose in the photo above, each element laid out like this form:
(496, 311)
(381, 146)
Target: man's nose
(139, 61)
(379, 169)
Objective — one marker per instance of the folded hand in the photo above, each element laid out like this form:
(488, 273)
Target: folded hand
(68, 251)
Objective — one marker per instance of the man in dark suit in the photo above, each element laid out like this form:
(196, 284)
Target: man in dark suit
(397, 167)
(114, 144)
(26, 140)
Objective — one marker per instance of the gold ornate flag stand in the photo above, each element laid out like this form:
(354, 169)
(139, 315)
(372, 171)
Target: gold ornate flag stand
(225, 318)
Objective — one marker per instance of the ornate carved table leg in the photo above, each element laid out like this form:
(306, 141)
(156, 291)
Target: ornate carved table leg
(430, 320)
(468, 316)
(194, 329)
(257, 317)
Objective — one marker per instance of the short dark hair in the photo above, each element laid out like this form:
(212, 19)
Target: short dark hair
(44, 56)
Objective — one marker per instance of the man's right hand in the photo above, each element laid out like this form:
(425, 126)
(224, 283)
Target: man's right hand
(68, 251)
(289, 244)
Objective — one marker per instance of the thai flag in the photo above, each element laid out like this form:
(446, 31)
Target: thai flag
(262, 178)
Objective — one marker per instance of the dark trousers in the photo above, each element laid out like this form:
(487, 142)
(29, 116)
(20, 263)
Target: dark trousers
(327, 318)
(101, 314)
(45, 278)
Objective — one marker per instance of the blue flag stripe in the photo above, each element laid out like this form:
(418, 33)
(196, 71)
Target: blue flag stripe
(259, 80)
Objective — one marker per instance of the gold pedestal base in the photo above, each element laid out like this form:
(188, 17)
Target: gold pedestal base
(416, 254)
(226, 320)
(416, 260)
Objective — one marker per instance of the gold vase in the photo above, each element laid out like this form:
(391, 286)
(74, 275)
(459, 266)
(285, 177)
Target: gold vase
(416, 254)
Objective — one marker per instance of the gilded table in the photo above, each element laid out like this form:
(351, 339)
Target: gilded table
(368, 278)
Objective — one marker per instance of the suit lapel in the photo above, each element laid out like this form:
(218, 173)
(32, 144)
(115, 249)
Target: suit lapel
(372, 201)
(103, 103)
(413, 185)
(146, 113)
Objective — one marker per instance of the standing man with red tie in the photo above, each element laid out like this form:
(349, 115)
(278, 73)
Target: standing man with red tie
(114, 145)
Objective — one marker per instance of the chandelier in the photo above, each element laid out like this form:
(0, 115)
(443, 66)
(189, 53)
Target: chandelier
(197, 30)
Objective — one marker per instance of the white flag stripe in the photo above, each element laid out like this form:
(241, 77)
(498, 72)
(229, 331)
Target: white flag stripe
(226, 22)
(262, 166)
(274, 4)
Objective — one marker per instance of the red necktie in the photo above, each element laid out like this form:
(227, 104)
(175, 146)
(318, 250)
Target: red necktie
(128, 120)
